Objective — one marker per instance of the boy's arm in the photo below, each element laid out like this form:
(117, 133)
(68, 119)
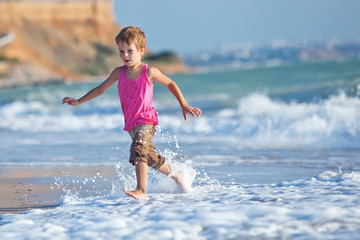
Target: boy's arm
(155, 75)
(97, 91)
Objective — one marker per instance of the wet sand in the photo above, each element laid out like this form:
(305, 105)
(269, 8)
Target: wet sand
(26, 188)
(21, 194)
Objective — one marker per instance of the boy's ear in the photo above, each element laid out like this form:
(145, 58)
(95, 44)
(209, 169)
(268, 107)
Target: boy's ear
(142, 51)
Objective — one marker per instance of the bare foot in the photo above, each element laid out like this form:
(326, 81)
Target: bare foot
(183, 180)
(136, 194)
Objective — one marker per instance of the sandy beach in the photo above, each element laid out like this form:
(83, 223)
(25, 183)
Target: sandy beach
(26, 188)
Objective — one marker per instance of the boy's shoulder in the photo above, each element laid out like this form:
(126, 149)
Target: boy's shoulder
(152, 71)
(115, 74)
(117, 70)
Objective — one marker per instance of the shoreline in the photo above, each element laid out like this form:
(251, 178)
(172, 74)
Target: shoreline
(23, 194)
(26, 188)
(42, 187)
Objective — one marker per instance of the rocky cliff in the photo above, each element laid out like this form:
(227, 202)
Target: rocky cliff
(59, 39)
(65, 37)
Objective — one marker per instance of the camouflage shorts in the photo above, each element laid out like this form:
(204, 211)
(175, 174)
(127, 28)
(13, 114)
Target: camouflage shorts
(142, 147)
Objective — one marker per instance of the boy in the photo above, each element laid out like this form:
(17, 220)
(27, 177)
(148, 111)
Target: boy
(135, 87)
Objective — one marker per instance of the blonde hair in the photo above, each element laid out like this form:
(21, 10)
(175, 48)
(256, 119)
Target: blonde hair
(131, 35)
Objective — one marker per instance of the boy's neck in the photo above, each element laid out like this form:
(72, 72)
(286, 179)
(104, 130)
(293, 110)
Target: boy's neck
(134, 68)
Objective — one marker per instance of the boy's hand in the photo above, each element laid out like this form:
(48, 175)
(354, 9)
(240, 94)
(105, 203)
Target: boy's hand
(70, 101)
(192, 110)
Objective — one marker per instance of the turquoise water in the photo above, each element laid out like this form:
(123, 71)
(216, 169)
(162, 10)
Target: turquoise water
(312, 108)
(276, 155)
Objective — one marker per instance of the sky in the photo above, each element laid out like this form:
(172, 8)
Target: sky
(185, 26)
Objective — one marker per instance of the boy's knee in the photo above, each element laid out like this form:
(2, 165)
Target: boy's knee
(137, 154)
(156, 161)
(134, 162)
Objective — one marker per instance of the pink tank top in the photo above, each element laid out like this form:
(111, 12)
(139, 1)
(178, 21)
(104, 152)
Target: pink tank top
(136, 97)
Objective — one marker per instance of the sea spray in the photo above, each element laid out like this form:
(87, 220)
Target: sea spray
(195, 178)
(322, 207)
(81, 186)
(125, 179)
(257, 121)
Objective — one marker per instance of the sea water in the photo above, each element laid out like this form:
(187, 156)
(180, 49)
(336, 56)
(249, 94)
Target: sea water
(274, 156)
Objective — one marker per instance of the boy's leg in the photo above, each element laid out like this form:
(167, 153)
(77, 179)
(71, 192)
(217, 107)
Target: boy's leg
(158, 162)
(141, 170)
(165, 169)
(138, 158)
(143, 154)
(178, 176)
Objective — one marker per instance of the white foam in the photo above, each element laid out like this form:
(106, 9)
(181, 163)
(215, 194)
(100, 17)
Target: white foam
(264, 123)
(322, 207)
(256, 122)
(157, 182)
(261, 122)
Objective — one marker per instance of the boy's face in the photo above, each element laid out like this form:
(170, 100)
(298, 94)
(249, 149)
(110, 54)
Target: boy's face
(129, 54)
